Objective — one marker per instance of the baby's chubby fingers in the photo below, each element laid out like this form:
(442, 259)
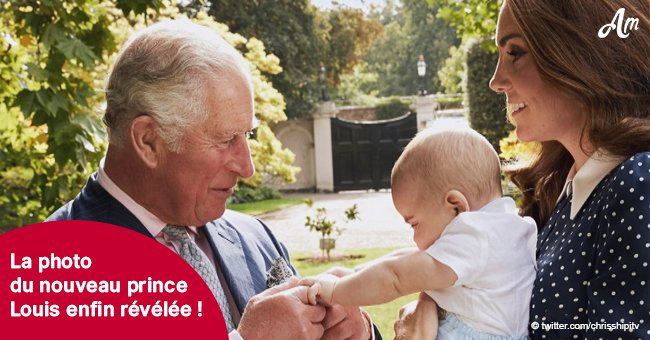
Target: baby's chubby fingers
(308, 281)
(312, 293)
(325, 289)
(314, 288)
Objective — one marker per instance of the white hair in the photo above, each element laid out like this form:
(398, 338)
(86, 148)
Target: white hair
(164, 71)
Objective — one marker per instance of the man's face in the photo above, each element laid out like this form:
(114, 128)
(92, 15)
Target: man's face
(196, 181)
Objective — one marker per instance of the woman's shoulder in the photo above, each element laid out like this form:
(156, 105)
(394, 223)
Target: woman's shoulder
(630, 179)
(640, 159)
(636, 166)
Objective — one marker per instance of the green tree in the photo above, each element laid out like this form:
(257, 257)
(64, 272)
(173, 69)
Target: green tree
(415, 30)
(472, 19)
(348, 35)
(453, 75)
(55, 56)
(487, 113)
(302, 37)
(289, 31)
(354, 88)
(389, 12)
(476, 21)
(50, 132)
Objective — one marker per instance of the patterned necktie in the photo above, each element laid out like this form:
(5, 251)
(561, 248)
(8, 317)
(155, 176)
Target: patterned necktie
(200, 262)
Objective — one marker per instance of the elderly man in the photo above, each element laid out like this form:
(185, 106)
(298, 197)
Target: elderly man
(179, 109)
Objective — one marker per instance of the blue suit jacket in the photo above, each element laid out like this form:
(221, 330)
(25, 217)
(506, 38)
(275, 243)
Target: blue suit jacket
(243, 245)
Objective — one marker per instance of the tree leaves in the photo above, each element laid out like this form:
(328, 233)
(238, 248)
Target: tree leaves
(74, 48)
(37, 72)
(26, 100)
(412, 31)
(53, 34)
(471, 18)
(138, 6)
(288, 31)
(50, 78)
(49, 121)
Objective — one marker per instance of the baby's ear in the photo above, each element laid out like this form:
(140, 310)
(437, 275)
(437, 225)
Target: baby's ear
(456, 201)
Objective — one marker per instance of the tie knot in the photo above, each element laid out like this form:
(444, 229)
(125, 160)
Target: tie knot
(177, 232)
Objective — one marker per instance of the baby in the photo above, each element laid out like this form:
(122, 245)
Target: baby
(475, 256)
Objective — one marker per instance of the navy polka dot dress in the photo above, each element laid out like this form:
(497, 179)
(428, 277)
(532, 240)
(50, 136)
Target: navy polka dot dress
(594, 268)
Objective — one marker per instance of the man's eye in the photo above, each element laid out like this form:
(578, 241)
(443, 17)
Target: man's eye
(226, 142)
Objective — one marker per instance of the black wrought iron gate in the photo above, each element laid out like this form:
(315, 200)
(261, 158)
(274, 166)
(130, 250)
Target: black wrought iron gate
(364, 153)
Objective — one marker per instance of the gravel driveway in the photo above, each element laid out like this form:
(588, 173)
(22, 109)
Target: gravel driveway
(380, 224)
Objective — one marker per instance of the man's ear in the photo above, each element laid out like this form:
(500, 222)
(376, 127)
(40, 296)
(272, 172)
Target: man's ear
(455, 200)
(146, 142)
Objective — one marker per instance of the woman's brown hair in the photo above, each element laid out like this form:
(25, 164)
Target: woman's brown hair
(609, 77)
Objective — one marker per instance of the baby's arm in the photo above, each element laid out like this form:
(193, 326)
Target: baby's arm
(391, 255)
(386, 280)
(396, 276)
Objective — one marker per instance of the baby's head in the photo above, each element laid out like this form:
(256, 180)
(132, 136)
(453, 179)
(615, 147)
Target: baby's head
(441, 173)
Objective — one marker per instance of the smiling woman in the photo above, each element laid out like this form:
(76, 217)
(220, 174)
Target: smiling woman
(585, 98)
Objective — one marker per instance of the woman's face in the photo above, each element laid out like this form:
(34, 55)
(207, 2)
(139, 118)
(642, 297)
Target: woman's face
(539, 111)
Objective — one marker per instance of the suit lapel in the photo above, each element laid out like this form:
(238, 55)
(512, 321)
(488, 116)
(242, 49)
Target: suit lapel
(226, 243)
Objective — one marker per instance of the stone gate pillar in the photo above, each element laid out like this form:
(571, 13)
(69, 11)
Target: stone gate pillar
(425, 108)
(323, 146)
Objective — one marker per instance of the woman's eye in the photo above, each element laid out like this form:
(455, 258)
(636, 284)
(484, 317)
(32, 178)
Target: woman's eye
(515, 54)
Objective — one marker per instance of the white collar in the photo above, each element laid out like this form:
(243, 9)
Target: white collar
(503, 204)
(153, 224)
(584, 181)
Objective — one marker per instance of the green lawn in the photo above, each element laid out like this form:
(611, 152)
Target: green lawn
(262, 207)
(382, 315)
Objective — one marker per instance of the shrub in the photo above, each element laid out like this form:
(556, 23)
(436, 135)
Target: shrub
(487, 113)
(391, 108)
(445, 103)
(245, 193)
(515, 153)
(514, 150)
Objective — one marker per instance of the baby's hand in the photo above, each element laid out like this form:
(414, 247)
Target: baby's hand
(321, 286)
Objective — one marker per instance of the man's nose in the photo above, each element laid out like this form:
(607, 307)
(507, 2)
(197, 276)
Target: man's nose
(241, 161)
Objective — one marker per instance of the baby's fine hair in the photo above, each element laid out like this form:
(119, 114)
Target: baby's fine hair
(443, 158)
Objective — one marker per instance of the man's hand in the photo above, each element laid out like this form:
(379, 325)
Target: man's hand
(417, 320)
(345, 322)
(282, 312)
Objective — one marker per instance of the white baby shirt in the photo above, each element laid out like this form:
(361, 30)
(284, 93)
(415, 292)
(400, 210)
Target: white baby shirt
(492, 251)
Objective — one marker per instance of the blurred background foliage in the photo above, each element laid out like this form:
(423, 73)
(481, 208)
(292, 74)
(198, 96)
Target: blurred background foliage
(54, 62)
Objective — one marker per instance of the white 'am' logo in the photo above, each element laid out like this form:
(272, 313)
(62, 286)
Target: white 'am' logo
(622, 28)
